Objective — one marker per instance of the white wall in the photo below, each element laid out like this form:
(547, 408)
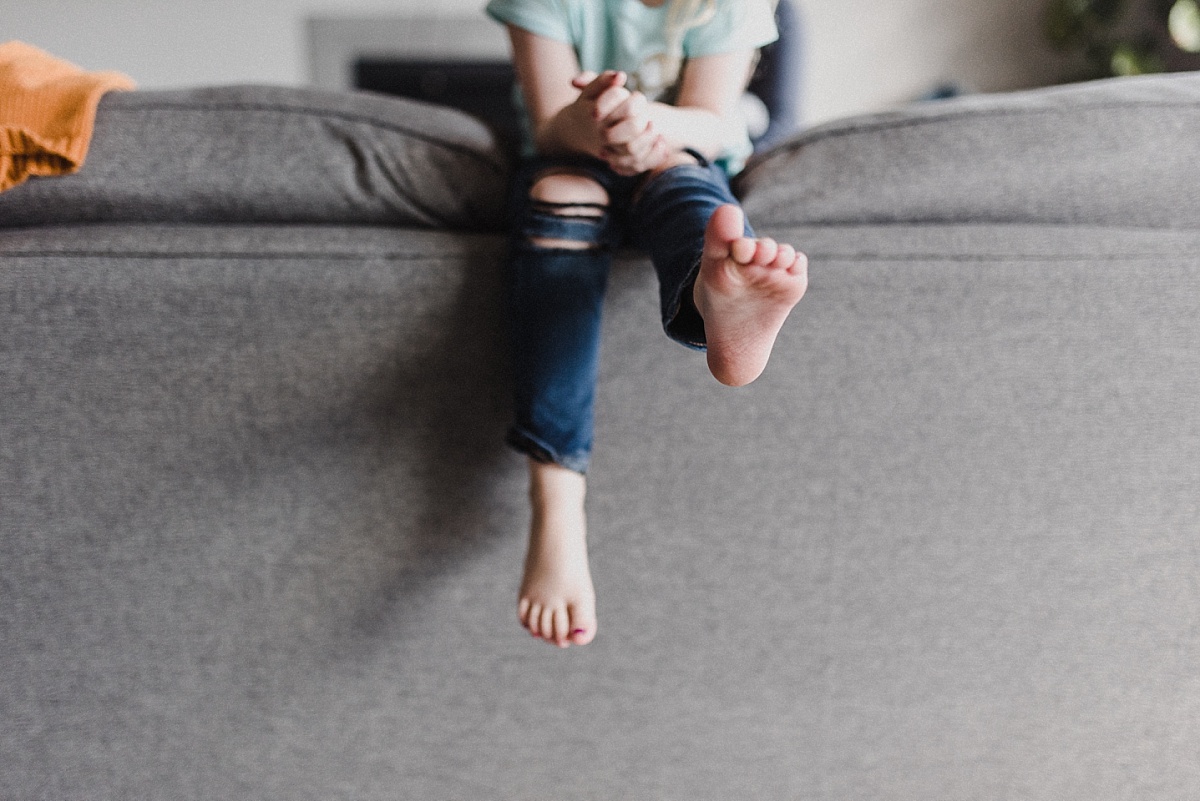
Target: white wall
(863, 55)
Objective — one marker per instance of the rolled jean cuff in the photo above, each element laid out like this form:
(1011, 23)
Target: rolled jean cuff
(536, 449)
(681, 319)
(673, 213)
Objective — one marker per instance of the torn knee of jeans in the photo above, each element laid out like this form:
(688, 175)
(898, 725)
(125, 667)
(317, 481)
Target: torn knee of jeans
(550, 243)
(569, 211)
(570, 226)
(563, 226)
(554, 231)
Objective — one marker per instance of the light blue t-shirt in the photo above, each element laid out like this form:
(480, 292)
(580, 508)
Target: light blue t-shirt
(629, 36)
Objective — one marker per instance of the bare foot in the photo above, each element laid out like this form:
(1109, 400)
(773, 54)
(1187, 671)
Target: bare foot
(744, 292)
(557, 601)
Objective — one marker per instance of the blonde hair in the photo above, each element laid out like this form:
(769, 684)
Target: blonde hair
(682, 16)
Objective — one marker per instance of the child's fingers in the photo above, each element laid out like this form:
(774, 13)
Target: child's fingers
(640, 146)
(644, 153)
(582, 80)
(636, 105)
(633, 106)
(630, 138)
(626, 131)
(607, 103)
(657, 154)
(629, 119)
(602, 82)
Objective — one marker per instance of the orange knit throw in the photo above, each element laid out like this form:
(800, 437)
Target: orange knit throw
(47, 111)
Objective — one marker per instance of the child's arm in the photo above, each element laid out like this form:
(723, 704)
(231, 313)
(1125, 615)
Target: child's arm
(705, 117)
(598, 116)
(566, 116)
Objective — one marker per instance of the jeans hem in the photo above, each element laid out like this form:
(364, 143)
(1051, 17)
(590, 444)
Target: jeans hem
(539, 451)
(682, 321)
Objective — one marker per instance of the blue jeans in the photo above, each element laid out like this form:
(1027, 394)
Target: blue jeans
(556, 294)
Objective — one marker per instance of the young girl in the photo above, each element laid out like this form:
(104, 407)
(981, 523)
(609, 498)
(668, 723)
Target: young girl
(632, 134)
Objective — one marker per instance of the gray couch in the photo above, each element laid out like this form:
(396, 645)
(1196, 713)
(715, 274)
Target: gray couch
(259, 537)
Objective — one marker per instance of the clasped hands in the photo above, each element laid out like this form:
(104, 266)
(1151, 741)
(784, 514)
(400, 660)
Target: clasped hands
(621, 129)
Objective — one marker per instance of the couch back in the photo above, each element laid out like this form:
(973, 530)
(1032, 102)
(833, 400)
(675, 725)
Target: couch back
(259, 537)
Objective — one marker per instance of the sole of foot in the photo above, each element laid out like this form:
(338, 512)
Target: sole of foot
(745, 290)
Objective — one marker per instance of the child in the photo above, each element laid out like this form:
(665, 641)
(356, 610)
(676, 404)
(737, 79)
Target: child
(632, 133)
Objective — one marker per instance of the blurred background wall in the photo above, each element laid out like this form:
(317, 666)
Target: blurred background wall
(861, 55)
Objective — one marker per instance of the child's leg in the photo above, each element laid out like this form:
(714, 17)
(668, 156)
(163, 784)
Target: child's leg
(557, 601)
(722, 289)
(558, 273)
(559, 269)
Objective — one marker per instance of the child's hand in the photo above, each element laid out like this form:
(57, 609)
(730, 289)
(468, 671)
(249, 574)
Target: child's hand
(624, 135)
(601, 93)
(632, 144)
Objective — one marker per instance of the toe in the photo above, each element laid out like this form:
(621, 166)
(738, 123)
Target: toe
(766, 252)
(743, 250)
(547, 624)
(562, 628)
(725, 226)
(800, 265)
(583, 626)
(582, 636)
(535, 620)
(786, 257)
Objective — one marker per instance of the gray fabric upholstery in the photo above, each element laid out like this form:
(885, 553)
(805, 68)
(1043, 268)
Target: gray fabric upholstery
(1117, 152)
(275, 154)
(259, 537)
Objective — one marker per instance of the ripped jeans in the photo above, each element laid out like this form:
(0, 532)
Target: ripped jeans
(559, 259)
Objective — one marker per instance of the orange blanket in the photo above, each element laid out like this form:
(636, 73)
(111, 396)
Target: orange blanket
(47, 111)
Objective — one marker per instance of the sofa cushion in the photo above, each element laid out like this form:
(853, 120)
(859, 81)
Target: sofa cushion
(1113, 152)
(259, 533)
(275, 154)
